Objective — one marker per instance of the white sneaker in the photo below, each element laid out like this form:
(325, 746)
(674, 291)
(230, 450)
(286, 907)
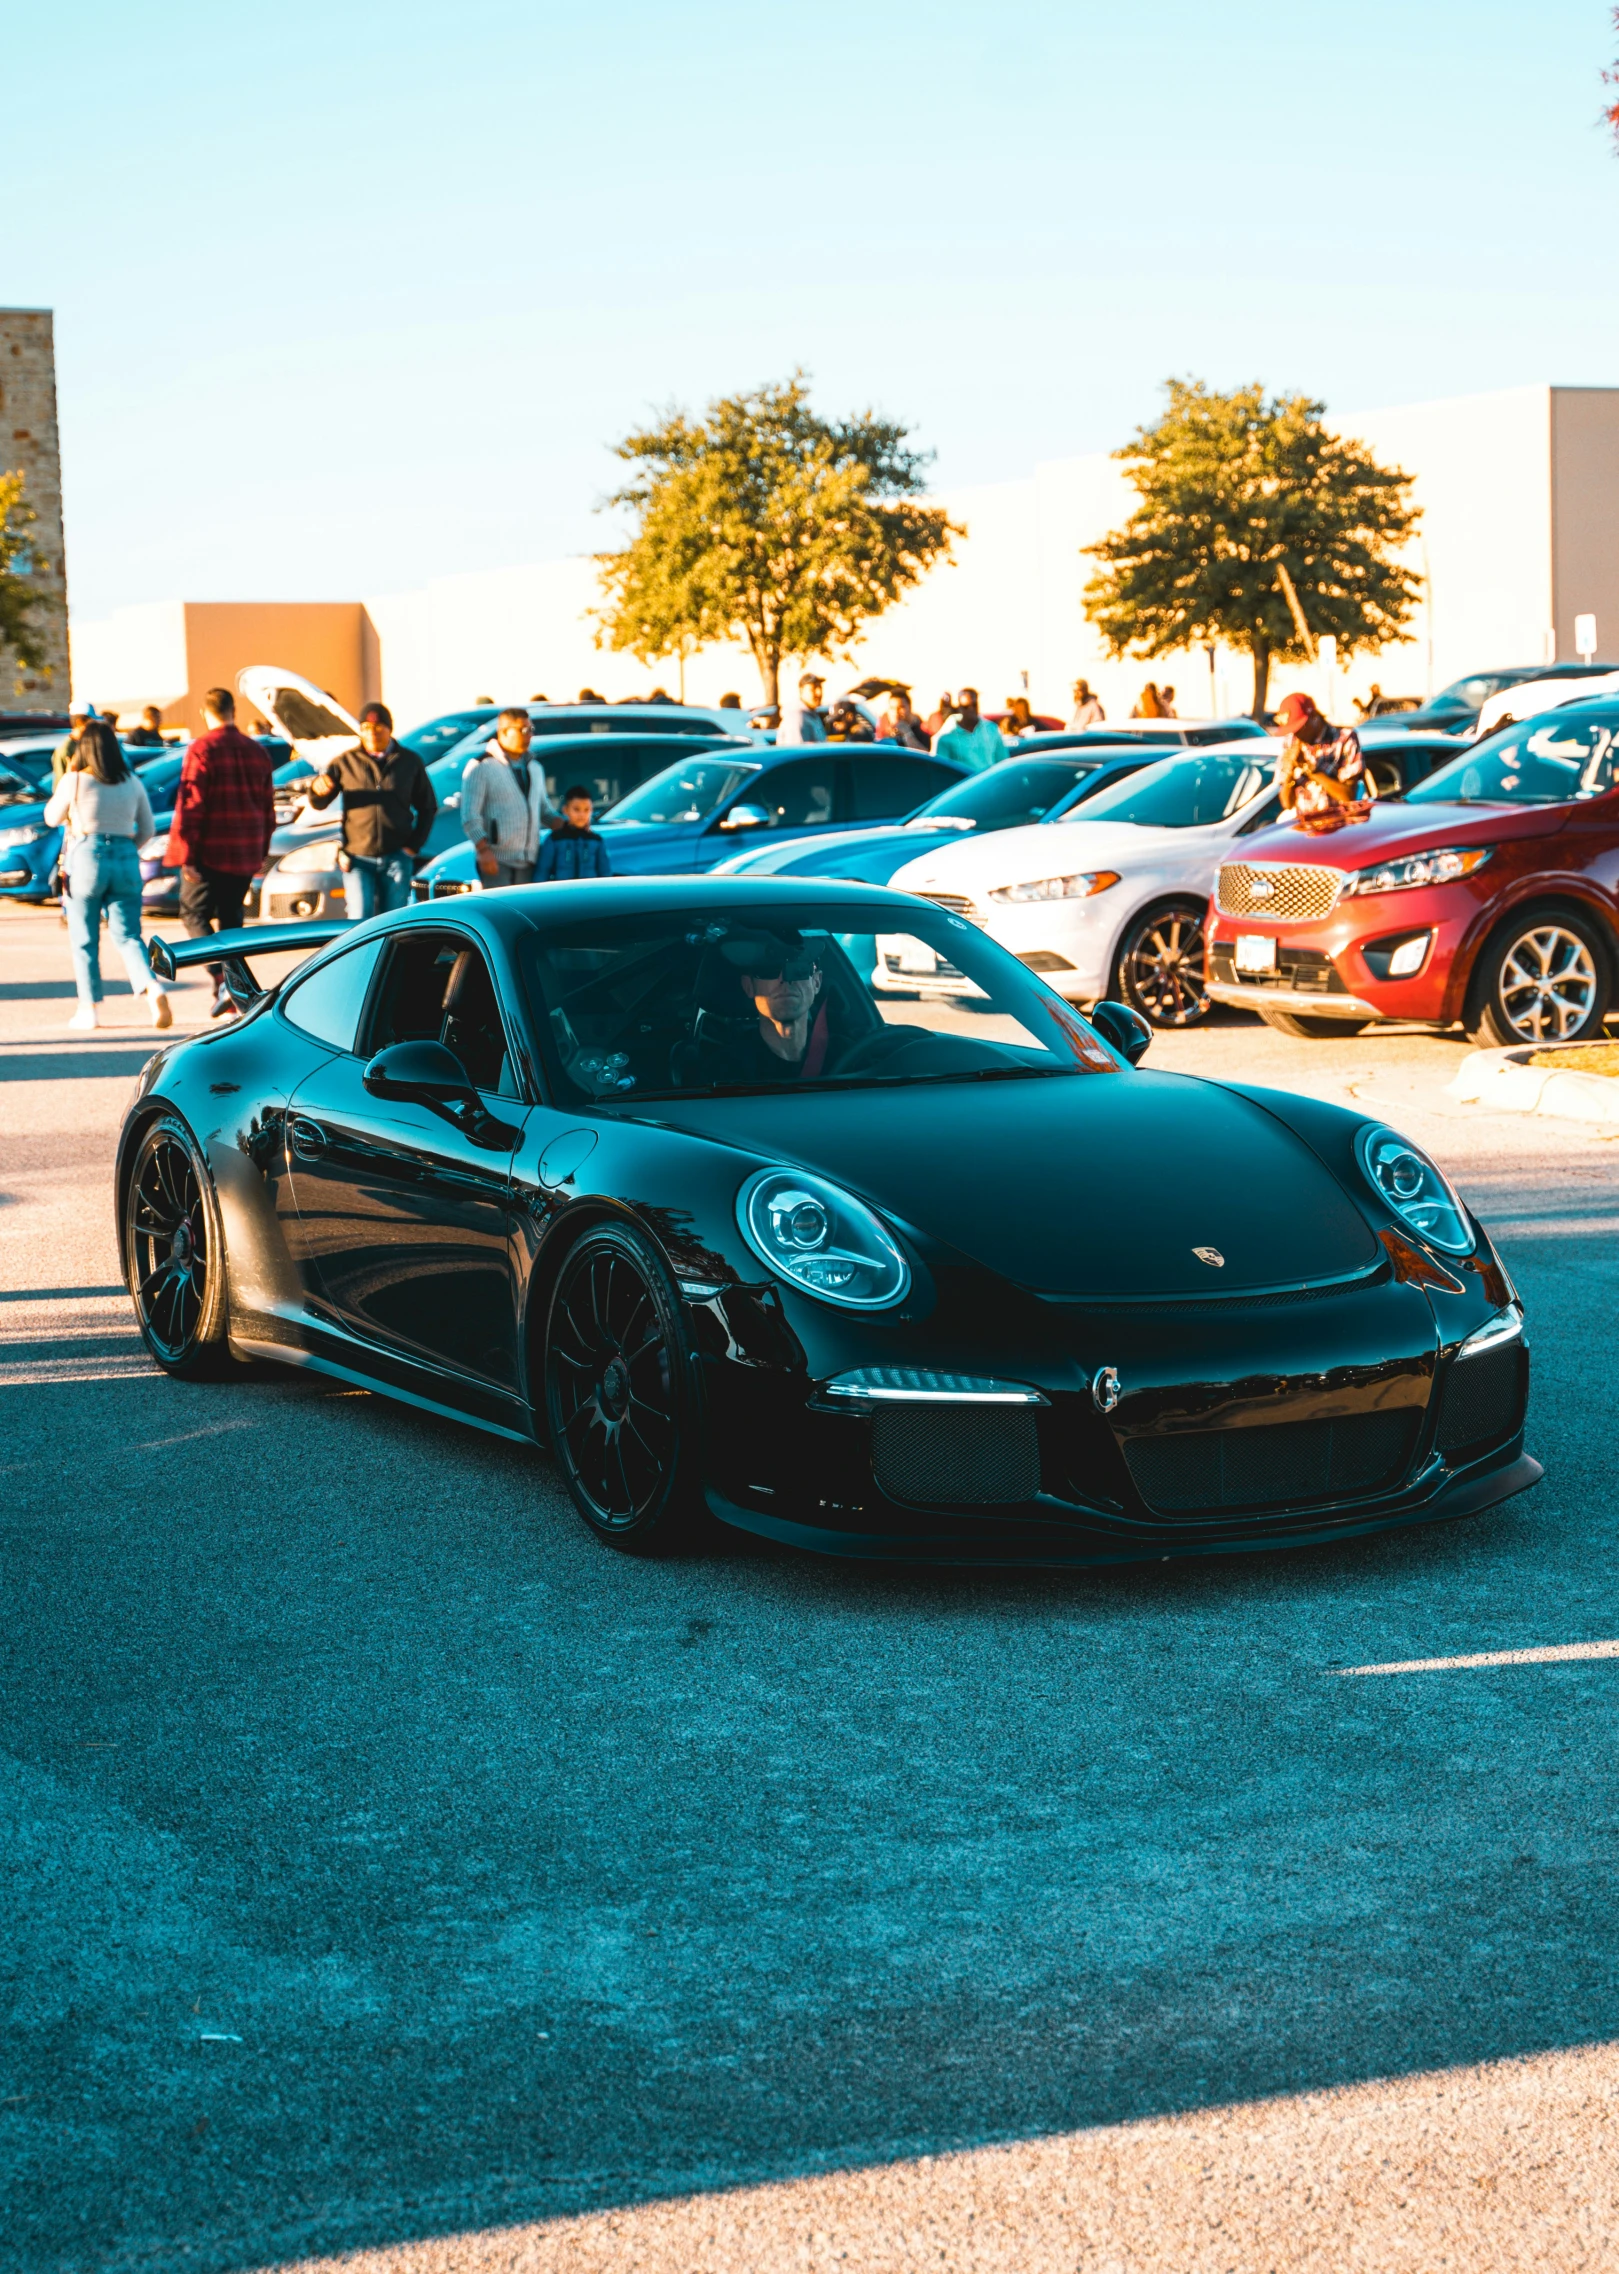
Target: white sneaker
(84, 1018)
(161, 1013)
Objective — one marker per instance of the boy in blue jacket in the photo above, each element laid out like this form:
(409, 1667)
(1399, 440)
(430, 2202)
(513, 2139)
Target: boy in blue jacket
(574, 850)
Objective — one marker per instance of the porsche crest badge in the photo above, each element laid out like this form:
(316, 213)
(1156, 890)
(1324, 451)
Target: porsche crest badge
(1105, 1388)
(1211, 1256)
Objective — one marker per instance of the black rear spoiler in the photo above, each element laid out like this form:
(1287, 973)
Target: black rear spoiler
(232, 949)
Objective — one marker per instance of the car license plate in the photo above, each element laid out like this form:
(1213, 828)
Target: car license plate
(1255, 952)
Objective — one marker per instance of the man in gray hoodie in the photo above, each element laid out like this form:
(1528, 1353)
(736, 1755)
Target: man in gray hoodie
(504, 808)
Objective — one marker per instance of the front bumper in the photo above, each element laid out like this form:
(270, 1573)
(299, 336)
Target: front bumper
(1069, 943)
(1256, 996)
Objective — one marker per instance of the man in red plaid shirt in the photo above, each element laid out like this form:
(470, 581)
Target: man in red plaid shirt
(223, 819)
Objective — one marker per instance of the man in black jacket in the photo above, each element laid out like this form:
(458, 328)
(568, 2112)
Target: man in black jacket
(388, 809)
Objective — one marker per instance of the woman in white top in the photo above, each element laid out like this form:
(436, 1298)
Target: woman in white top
(107, 814)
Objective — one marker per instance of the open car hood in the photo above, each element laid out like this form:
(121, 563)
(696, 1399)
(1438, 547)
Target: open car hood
(315, 723)
(1099, 1185)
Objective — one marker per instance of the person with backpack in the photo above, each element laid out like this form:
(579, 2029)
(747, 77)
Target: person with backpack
(573, 849)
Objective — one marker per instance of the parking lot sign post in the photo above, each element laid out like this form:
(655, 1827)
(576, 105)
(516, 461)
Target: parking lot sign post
(1585, 638)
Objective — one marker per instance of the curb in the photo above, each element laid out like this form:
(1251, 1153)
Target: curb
(1506, 1082)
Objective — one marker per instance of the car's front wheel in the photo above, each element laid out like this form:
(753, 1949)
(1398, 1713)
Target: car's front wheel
(620, 1400)
(1318, 1029)
(1162, 965)
(173, 1252)
(1544, 977)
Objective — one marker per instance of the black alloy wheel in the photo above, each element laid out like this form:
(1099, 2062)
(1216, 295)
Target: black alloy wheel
(1162, 965)
(172, 1253)
(618, 1393)
(1317, 1029)
(1544, 977)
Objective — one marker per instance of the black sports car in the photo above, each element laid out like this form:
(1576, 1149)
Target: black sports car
(646, 1172)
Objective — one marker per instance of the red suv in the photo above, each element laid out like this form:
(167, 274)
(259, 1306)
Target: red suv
(1489, 893)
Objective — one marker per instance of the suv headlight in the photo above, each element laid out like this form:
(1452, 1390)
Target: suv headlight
(822, 1239)
(1442, 867)
(29, 836)
(1057, 887)
(1421, 1195)
(322, 855)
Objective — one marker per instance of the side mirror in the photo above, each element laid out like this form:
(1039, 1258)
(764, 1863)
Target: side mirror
(746, 817)
(1124, 1028)
(429, 1073)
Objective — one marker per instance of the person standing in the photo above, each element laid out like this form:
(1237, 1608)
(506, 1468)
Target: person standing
(1088, 710)
(573, 849)
(149, 734)
(503, 803)
(1321, 765)
(103, 807)
(1149, 706)
(972, 741)
(1019, 719)
(909, 731)
(1166, 702)
(224, 818)
(388, 809)
(79, 716)
(804, 722)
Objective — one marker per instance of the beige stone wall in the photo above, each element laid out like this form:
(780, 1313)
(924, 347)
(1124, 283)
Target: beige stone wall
(29, 445)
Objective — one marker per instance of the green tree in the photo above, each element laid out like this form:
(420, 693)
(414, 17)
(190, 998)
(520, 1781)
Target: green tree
(1234, 489)
(18, 596)
(763, 521)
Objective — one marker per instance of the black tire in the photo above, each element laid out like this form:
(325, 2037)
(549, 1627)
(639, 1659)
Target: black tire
(175, 1254)
(1545, 976)
(1162, 965)
(620, 1394)
(1318, 1030)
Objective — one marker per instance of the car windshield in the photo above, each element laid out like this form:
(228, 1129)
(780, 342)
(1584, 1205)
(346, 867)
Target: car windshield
(433, 737)
(1472, 694)
(688, 792)
(1016, 791)
(1180, 793)
(1557, 758)
(720, 1000)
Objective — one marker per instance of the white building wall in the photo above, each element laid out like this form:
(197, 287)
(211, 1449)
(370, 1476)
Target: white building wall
(135, 653)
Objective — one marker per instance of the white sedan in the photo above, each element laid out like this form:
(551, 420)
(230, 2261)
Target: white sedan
(1111, 903)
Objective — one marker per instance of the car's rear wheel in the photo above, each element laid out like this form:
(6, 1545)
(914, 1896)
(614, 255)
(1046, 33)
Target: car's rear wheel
(1544, 977)
(1319, 1030)
(174, 1254)
(1162, 965)
(620, 1398)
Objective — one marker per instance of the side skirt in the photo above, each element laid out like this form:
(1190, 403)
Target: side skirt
(287, 1354)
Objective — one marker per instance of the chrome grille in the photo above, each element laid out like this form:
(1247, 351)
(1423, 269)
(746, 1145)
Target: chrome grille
(955, 904)
(1296, 894)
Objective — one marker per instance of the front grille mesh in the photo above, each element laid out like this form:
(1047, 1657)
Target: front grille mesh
(1484, 1397)
(1295, 894)
(956, 1456)
(955, 904)
(1285, 1464)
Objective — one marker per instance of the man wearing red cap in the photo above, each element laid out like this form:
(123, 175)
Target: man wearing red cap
(1321, 765)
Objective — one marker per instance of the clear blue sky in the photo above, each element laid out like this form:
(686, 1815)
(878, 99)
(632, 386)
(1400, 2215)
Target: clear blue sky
(350, 295)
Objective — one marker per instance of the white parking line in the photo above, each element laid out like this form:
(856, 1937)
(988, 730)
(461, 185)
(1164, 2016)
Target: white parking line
(1549, 1654)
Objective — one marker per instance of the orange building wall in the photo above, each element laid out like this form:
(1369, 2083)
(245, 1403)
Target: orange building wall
(332, 642)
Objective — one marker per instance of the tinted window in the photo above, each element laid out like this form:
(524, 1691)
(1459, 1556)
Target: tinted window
(438, 988)
(609, 769)
(1226, 730)
(1019, 790)
(643, 722)
(1180, 793)
(802, 795)
(328, 1003)
(882, 788)
(1552, 760)
(687, 792)
(435, 736)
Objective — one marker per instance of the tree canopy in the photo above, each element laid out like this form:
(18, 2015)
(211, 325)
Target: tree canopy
(1235, 488)
(18, 596)
(765, 522)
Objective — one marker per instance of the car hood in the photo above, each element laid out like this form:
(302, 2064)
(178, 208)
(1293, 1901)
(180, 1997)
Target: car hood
(1055, 848)
(1392, 827)
(1101, 1185)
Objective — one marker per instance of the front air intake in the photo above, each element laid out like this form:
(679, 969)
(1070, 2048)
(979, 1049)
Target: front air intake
(1284, 1464)
(956, 1456)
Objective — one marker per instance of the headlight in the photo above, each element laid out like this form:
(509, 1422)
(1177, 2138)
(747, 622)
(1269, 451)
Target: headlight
(302, 857)
(1418, 868)
(28, 836)
(1418, 1193)
(1057, 887)
(823, 1240)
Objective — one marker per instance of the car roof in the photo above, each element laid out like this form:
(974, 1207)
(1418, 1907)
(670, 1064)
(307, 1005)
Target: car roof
(523, 908)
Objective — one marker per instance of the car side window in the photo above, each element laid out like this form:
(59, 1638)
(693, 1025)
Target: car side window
(801, 795)
(438, 988)
(885, 787)
(328, 1003)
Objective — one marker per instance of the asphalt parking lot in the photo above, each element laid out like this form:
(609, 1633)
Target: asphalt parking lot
(390, 1869)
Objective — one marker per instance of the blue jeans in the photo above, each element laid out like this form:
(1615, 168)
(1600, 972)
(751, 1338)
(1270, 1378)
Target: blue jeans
(104, 873)
(371, 886)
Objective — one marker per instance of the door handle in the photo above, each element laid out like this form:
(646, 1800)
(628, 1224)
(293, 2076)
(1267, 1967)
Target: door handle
(308, 1139)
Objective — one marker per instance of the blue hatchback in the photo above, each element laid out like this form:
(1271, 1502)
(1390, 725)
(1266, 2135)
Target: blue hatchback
(703, 808)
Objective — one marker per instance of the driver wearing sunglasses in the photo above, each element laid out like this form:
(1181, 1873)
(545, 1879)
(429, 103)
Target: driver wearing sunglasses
(764, 1017)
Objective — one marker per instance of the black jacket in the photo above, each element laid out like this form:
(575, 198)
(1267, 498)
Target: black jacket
(388, 802)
